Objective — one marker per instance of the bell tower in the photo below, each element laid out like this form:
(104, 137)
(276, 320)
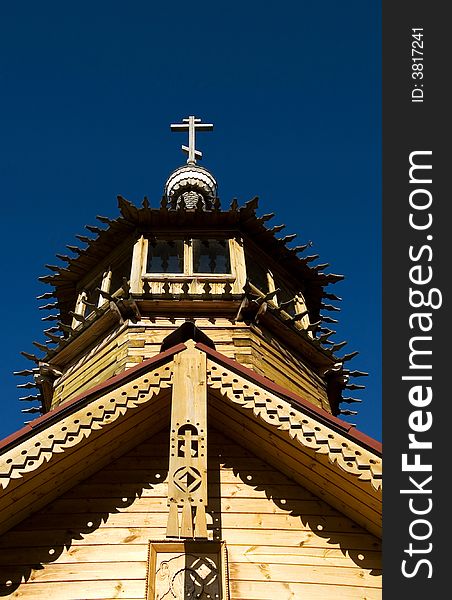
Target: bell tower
(188, 267)
(189, 444)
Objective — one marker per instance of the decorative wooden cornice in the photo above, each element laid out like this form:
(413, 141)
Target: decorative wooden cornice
(307, 431)
(71, 430)
(237, 219)
(316, 437)
(313, 428)
(318, 414)
(71, 422)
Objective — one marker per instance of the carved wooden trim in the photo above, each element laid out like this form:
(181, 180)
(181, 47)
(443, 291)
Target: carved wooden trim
(309, 432)
(105, 286)
(79, 308)
(139, 257)
(187, 478)
(238, 267)
(71, 430)
(67, 431)
(199, 570)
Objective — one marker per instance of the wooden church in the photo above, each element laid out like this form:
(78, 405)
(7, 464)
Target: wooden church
(190, 444)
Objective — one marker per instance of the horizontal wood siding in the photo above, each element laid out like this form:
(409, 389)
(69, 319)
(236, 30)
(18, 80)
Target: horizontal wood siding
(283, 542)
(125, 347)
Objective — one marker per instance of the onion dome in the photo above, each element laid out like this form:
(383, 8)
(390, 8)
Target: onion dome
(190, 184)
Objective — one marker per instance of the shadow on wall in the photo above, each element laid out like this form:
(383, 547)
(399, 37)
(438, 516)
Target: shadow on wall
(42, 538)
(315, 517)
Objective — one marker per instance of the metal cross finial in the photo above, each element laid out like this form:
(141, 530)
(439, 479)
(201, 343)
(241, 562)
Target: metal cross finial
(191, 124)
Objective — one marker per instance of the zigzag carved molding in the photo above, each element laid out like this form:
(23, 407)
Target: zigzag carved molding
(69, 431)
(279, 413)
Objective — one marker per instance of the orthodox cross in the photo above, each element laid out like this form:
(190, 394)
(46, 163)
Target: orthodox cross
(191, 124)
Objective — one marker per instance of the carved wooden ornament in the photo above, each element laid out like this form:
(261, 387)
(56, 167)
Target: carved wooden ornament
(187, 480)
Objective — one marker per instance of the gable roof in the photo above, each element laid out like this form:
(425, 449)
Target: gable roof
(66, 445)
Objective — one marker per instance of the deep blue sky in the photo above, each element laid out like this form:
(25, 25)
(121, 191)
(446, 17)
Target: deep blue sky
(88, 91)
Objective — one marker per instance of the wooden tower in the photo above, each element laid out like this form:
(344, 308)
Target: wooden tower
(190, 443)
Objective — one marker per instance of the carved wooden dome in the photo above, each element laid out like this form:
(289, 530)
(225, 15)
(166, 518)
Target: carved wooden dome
(190, 184)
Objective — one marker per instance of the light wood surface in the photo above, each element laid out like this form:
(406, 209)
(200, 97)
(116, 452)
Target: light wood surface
(282, 540)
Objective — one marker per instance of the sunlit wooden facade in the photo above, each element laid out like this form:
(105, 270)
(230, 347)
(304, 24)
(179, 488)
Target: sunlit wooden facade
(190, 443)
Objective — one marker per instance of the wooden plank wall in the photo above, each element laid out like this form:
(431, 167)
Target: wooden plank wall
(130, 346)
(267, 356)
(283, 542)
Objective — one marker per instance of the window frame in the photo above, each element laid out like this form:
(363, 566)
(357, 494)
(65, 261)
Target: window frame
(162, 548)
(188, 274)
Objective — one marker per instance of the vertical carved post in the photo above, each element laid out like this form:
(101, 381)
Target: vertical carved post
(237, 264)
(79, 308)
(105, 286)
(140, 250)
(187, 481)
(272, 286)
(300, 306)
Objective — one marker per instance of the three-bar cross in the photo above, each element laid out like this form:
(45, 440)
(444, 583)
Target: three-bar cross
(191, 124)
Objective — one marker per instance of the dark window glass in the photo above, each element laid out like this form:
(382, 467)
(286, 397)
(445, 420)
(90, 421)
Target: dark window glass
(120, 271)
(92, 295)
(166, 256)
(256, 272)
(211, 256)
(285, 296)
